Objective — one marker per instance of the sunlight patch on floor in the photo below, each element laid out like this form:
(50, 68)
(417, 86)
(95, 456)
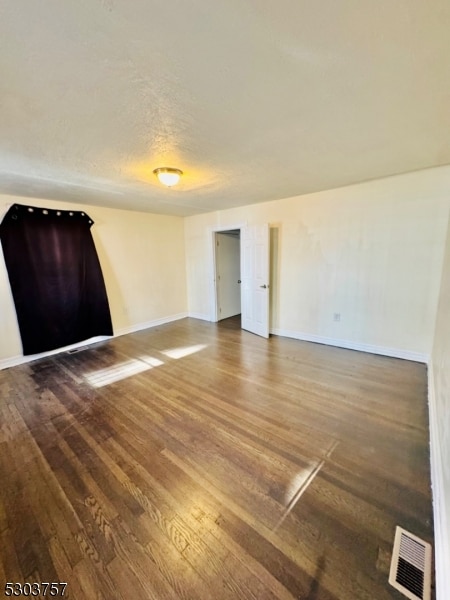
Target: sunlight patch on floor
(301, 481)
(183, 351)
(122, 370)
(150, 360)
(297, 483)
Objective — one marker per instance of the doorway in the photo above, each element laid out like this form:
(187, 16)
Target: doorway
(240, 268)
(228, 273)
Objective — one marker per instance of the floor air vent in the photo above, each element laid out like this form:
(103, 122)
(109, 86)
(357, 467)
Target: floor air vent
(75, 350)
(411, 565)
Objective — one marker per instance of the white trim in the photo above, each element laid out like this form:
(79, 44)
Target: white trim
(213, 314)
(440, 503)
(383, 350)
(202, 317)
(149, 324)
(14, 361)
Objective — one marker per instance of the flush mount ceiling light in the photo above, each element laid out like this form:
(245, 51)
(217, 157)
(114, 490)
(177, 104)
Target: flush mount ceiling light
(168, 176)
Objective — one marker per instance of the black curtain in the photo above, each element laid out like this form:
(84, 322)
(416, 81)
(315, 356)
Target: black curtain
(55, 276)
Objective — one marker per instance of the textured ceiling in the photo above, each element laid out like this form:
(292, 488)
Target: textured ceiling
(254, 100)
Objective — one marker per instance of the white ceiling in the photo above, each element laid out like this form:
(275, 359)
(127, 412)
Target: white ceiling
(254, 100)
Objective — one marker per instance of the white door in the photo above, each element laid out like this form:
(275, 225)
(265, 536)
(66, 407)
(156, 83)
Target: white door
(255, 279)
(228, 274)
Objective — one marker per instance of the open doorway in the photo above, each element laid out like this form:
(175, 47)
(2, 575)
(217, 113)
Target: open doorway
(228, 273)
(240, 267)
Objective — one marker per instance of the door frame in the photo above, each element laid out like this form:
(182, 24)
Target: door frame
(213, 300)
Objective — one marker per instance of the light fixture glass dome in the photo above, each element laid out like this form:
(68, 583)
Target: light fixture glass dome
(168, 176)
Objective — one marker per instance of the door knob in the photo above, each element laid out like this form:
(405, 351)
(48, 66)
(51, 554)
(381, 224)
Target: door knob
(239, 281)
(264, 286)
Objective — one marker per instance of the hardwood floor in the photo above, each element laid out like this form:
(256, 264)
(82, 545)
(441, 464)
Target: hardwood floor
(198, 461)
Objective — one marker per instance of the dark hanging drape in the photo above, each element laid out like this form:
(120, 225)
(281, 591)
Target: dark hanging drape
(55, 276)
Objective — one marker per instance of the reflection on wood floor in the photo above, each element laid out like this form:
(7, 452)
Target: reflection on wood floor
(196, 460)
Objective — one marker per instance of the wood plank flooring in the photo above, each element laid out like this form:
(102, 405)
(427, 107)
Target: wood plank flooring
(198, 461)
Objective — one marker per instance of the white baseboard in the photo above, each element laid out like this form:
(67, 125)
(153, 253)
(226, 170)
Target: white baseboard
(383, 350)
(441, 505)
(14, 361)
(307, 337)
(20, 359)
(200, 316)
(149, 324)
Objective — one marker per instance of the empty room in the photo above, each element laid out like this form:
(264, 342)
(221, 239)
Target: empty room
(225, 300)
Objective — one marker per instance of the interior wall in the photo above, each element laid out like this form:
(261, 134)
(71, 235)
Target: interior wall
(371, 253)
(143, 262)
(440, 429)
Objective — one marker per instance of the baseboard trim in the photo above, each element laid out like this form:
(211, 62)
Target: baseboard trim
(349, 345)
(202, 317)
(20, 359)
(149, 324)
(440, 503)
(14, 361)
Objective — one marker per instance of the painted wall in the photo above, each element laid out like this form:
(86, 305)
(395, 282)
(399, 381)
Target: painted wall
(440, 429)
(143, 263)
(371, 252)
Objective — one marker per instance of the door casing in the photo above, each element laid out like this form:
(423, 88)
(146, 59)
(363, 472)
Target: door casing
(214, 316)
(228, 276)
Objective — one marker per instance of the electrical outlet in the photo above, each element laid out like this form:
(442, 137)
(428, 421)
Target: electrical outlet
(336, 316)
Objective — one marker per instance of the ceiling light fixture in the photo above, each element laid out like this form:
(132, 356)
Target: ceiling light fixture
(168, 176)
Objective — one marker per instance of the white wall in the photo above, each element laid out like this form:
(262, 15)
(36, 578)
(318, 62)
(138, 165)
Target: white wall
(372, 252)
(439, 397)
(143, 262)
